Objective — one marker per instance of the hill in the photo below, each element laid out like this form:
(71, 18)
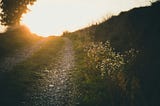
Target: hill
(139, 29)
(136, 28)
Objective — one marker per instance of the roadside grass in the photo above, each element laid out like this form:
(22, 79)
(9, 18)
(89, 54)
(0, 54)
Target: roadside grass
(16, 83)
(90, 88)
(101, 74)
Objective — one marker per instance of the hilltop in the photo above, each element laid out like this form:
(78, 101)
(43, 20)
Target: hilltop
(136, 28)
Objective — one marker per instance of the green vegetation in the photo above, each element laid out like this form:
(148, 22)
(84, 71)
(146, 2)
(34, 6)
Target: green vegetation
(102, 73)
(24, 75)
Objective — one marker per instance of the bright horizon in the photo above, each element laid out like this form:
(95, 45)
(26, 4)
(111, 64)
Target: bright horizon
(52, 17)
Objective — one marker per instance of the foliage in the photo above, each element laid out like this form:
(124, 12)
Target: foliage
(111, 66)
(102, 74)
(12, 10)
(102, 57)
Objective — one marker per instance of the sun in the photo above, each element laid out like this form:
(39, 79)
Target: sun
(52, 17)
(49, 17)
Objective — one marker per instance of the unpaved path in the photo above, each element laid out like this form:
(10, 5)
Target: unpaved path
(7, 63)
(57, 88)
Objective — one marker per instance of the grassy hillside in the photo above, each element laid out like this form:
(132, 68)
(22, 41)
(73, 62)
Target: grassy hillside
(16, 38)
(133, 40)
(136, 28)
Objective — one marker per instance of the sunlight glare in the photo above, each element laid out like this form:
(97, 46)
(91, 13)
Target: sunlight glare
(52, 17)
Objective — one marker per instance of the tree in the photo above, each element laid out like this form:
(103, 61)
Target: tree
(12, 11)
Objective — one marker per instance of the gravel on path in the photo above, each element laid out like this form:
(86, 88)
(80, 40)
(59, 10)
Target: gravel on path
(57, 88)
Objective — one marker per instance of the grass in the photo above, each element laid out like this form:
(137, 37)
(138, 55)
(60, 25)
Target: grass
(21, 79)
(101, 75)
(91, 90)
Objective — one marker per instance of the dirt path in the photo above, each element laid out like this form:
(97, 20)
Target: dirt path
(57, 88)
(7, 63)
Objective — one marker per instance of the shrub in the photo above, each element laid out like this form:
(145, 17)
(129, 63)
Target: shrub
(112, 66)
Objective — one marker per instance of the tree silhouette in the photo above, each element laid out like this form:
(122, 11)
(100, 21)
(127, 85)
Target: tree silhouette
(12, 11)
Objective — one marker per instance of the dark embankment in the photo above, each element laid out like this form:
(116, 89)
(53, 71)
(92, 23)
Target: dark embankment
(137, 28)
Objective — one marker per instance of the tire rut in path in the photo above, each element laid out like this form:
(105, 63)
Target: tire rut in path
(57, 87)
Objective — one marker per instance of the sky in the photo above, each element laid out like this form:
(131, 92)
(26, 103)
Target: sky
(52, 17)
